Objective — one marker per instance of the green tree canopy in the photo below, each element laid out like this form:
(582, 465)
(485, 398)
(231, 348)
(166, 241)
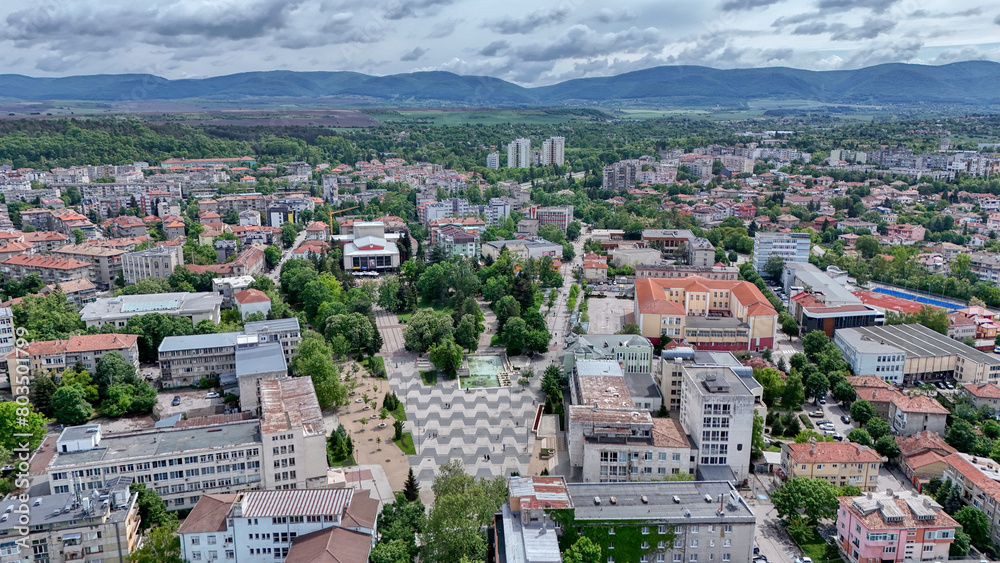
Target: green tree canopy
(815, 499)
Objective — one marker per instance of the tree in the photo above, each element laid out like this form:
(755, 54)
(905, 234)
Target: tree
(583, 550)
(515, 336)
(426, 327)
(160, 546)
(773, 267)
(358, 330)
(817, 386)
(757, 437)
(467, 333)
(288, 235)
(42, 388)
(272, 256)
(886, 446)
(789, 327)
(815, 499)
(411, 489)
(868, 246)
(70, 407)
(849, 491)
(844, 392)
(114, 368)
(388, 294)
(976, 524)
(315, 359)
(794, 394)
(401, 521)
(10, 424)
(860, 436)
(463, 506)
(506, 308)
(814, 343)
(79, 237)
(152, 509)
(877, 428)
(446, 356)
(393, 551)
(629, 328)
(773, 383)
(862, 411)
(961, 435)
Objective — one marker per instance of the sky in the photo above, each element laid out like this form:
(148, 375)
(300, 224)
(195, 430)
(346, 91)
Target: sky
(531, 43)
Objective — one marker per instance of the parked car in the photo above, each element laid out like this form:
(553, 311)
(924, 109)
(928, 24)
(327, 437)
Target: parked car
(176, 401)
(939, 384)
(822, 401)
(845, 419)
(804, 559)
(949, 385)
(827, 427)
(838, 437)
(816, 414)
(211, 395)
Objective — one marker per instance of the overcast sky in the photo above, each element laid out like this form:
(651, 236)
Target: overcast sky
(524, 41)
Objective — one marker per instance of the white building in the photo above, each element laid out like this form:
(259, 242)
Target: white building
(790, 247)
(493, 160)
(157, 262)
(717, 409)
(118, 310)
(265, 526)
(553, 151)
(519, 153)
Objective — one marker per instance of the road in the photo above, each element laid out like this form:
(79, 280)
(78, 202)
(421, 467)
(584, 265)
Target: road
(285, 255)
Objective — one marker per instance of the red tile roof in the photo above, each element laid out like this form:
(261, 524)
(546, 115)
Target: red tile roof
(52, 262)
(832, 452)
(983, 390)
(651, 294)
(252, 296)
(82, 343)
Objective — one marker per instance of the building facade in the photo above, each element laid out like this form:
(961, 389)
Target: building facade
(158, 262)
(894, 527)
(717, 410)
(839, 463)
(790, 247)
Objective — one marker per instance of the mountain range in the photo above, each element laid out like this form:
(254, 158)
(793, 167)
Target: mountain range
(970, 82)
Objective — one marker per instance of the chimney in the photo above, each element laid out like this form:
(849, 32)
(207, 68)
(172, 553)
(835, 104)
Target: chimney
(812, 448)
(859, 448)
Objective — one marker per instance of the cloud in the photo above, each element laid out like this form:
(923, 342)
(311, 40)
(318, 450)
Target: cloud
(528, 23)
(607, 15)
(495, 47)
(877, 6)
(400, 9)
(797, 18)
(887, 52)
(734, 5)
(840, 32)
(579, 41)
(413, 55)
(996, 20)
(443, 29)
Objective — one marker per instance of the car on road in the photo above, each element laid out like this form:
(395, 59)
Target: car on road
(176, 401)
(822, 401)
(845, 419)
(211, 395)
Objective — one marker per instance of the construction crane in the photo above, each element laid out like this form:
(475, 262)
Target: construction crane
(332, 213)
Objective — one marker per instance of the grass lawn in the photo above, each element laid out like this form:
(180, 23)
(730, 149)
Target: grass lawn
(429, 377)
(406, 444)
(813, 546)
(349, 460)
(399, 413)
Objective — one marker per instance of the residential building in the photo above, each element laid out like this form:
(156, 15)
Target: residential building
(229, 287)
(912, 352)
(250, 301)
(255, 364)
(979, 479)
(910, 415)
(905, 234)
(7, 335)
(839, 463)
(922, 455)
(714, 314)
(675, 521)
(620, 175)
(982, 394)
(285, 331)
(118, 310)
(270, 525)
(519, 153)
(553, 151)
(790, 247)
(717, 410)
(158, 262)
(105, 263)
(595, 268)
(85, 349)
(78, 293)
(102, 525)
(285, 449)
(52, 269)
(456, 241)
(700, 253)
(894, 527)
(493, 160)
(668, 371)
(45, 241)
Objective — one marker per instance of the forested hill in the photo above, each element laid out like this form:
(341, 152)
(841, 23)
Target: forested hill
(970, 82)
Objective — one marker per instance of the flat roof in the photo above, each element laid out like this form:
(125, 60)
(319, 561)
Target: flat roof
(264, 358)
(75, 433)
(159, 442)
(916, 340)
(642, 385)
(198, 341)
(818, 281)
(47, 510)
(272, 325)
(180, 303)
(659, 504)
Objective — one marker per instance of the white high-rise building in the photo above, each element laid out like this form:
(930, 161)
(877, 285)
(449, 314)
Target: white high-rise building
(519, 153)
(717, 410)
(493, 160)
(553, 151)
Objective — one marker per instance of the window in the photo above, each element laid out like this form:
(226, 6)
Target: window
(661, 530)
(661, 545)
(694, 543)
(195, 555)
(645, 545)
(611, 531)
(890, 549)
(611, 559)
(727, 543)
(928, 548)
(195, 540)
(725, 557)
(645, 530)
(694, 529)
(211, 540)
(677, 558)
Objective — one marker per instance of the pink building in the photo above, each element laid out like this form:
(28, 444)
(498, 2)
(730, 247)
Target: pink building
(893, 527)
(907, 233)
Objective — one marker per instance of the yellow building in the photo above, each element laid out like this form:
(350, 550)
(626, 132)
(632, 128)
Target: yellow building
(709, 314)
(840, 463)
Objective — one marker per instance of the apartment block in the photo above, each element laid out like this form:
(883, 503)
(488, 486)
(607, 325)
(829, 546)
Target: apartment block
(620, 175)
(894, 527)
(553, 151)
(560, 216)
(519, 153)
(105, 263)
(839, 463)
(790, 247)
(85, 349)
(52, 269)
(268, 526)
(717, 409)
(634, 353)
(102, 525)
(493, 161)
(158, 262)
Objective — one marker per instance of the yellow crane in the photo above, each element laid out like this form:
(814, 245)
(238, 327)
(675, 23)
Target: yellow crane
(332, 213)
